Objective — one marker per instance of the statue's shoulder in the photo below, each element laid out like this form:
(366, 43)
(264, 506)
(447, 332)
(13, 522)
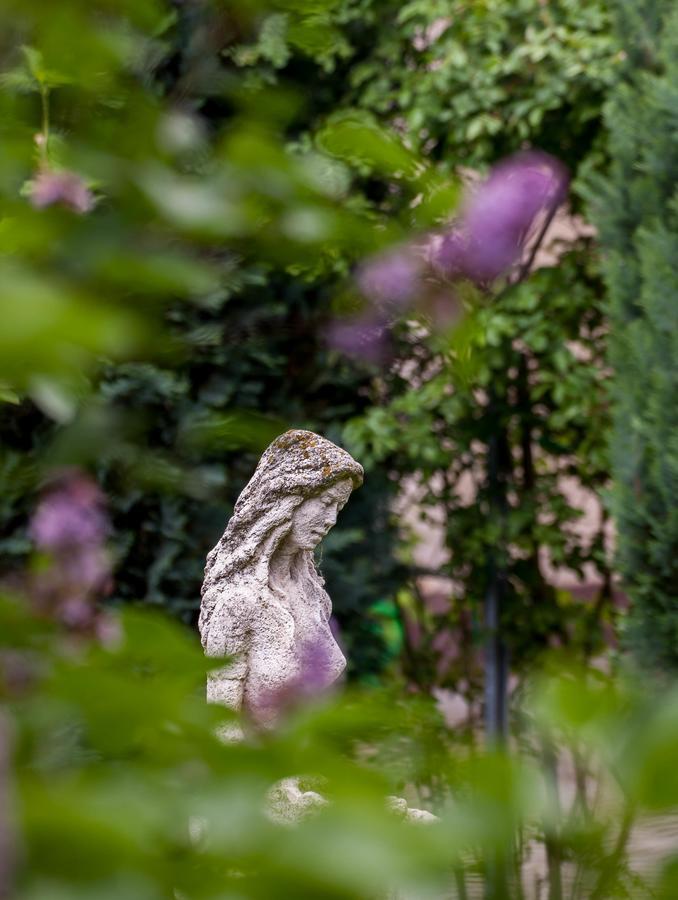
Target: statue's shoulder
(228, 612)
(237, 596)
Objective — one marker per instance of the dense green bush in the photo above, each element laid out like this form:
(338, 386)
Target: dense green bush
(535, 382)
(174, 432)
(222, 88)
(172, 244)
(121, 790)
(471, 83)
(635, 210)
(522, 381)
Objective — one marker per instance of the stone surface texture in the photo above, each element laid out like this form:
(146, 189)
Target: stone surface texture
(289, 802)
(264, 605)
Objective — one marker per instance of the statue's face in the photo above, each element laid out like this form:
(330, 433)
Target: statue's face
(313, 518)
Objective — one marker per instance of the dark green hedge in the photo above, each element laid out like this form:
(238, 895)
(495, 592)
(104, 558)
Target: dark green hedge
(637, 213)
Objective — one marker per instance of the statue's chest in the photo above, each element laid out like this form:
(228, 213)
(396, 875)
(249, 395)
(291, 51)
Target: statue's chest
(292, 642)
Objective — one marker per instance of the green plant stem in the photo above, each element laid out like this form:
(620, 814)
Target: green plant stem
(611, 864)
(551, 835)
(460, 881)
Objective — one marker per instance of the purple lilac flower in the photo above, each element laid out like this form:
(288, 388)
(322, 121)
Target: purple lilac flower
(486, 240)
(362, 336)
(70, 525)
(69, 515)
(390, 279)
(314, 678)
(451, 253)
(66, 188)
(316, 673)
(499, 214)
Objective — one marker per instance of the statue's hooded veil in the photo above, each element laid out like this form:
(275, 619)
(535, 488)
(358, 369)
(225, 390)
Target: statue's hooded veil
(297, 465)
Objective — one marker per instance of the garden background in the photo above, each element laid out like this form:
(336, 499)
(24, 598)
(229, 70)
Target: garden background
(206, 211)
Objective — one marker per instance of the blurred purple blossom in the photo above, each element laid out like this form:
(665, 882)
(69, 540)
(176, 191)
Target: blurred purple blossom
(391, 279)
(67, 188)
(451, 252)
(499, 215)
(489, 237)
(70, 526)
(316, 671)
(364, 337)
(315, 676)
(69, 515)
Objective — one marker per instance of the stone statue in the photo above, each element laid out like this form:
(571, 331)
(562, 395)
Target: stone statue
(263, 600)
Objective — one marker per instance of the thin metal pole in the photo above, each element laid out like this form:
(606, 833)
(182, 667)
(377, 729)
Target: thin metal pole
(496, 655)
(496, 668)
(496, 720)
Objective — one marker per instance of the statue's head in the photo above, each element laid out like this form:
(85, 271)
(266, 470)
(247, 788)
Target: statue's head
(301, 482)
(315, 515)
(299, 464)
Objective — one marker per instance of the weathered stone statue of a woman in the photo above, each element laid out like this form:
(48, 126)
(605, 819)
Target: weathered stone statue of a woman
(263, 602)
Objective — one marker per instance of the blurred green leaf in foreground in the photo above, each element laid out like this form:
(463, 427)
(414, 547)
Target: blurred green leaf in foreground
(121, 788)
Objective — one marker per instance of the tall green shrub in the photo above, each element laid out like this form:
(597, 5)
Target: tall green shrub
(636, 210)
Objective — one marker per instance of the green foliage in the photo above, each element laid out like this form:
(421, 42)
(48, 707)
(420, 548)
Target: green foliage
(468, 82)
(123, 790)
(165, 337)
(218, 252)
(536, 379)
(305, 27)
(221, 238)
(162, 338)
(635, 210)
(520, 381)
